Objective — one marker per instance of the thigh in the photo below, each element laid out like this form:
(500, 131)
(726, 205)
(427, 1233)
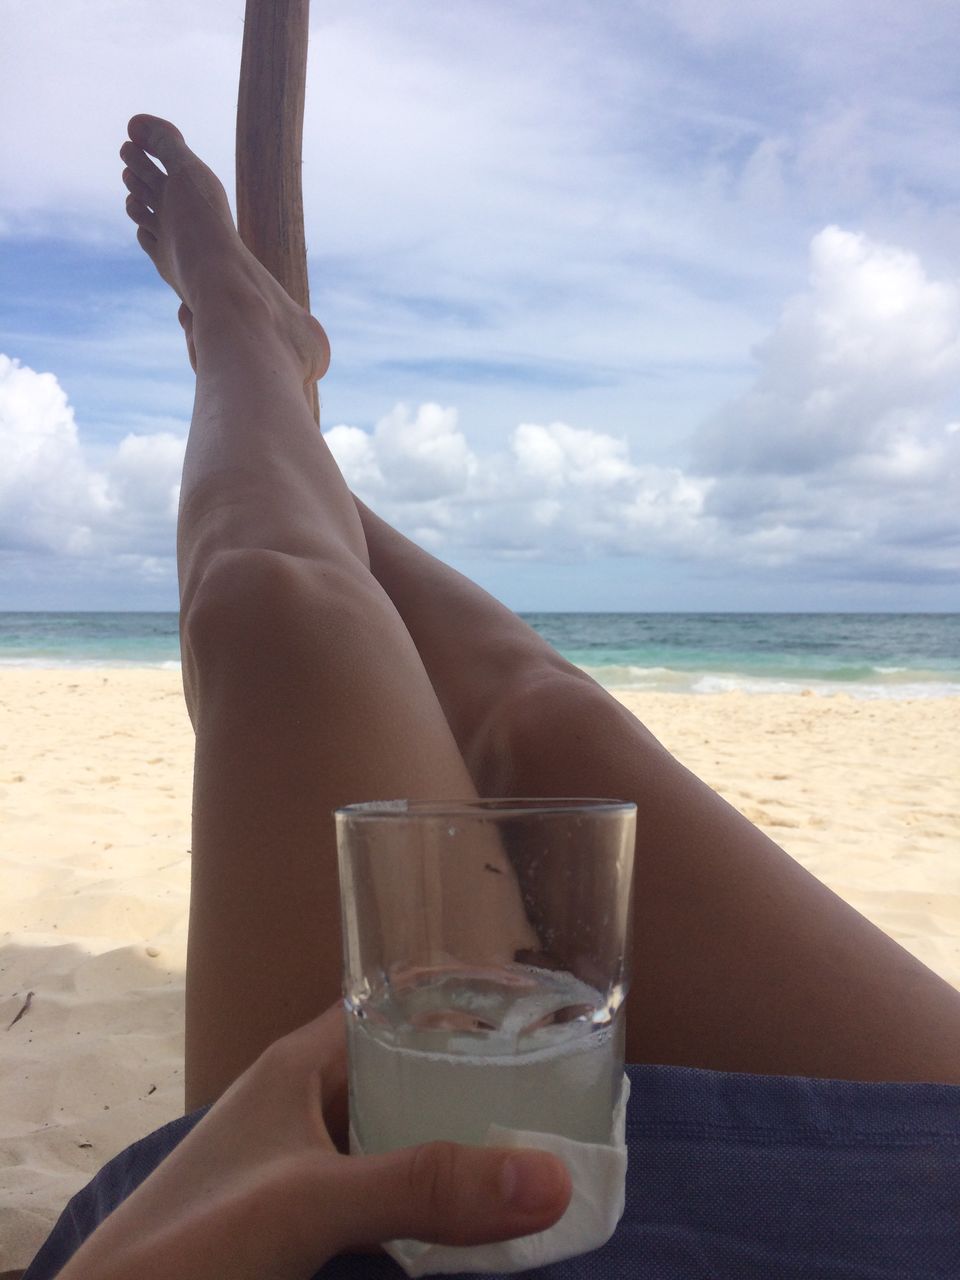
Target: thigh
(743, 960)
(309, 694)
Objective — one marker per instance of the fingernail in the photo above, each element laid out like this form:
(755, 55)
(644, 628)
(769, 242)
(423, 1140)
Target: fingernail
(529, 1183)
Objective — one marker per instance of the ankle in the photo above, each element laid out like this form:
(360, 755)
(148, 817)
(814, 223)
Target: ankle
(221, 286)
(241, 334)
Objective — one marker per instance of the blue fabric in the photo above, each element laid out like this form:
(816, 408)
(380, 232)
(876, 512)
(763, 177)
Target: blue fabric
(730, 1176)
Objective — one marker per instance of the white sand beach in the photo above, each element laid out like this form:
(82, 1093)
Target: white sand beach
(95, 782)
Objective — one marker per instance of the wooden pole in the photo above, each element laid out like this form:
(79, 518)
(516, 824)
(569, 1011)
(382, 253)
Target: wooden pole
(273, 77)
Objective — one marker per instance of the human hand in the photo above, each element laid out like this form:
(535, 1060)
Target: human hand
(258, 1190)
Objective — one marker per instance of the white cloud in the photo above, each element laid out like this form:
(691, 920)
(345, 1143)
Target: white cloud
(357, 458)
(839, 459)
(856, 366)
(406, 459)
(55, 501)
(146, 473)
(426, 457)
(560, 455)
(556, 492)
(842, 446)
(49, 499)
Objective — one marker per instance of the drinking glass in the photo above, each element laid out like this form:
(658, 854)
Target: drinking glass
(486, 965)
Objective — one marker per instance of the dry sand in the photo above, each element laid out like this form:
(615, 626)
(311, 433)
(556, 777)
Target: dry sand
(94, 868)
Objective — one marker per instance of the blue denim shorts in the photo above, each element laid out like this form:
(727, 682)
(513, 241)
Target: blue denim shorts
(730, 1176)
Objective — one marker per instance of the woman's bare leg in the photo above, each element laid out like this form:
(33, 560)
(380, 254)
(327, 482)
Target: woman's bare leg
(743, 960)
(305, 690)
(291, 651)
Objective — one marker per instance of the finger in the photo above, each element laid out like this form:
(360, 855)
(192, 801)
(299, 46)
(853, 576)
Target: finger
(331, 1032)
(321, 1045)
(445, 1193)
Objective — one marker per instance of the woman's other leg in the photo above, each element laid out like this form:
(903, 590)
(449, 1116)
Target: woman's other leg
(743, 960)
(305, 690)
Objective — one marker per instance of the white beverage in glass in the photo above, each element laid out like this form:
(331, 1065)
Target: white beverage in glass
(444, 1053)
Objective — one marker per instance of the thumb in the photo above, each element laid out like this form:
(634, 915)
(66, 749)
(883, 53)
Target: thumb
(445, 1193)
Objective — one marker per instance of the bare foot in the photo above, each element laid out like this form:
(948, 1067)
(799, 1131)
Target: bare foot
(186, 228)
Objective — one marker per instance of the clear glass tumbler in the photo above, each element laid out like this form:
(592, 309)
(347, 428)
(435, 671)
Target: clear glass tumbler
(486, 965)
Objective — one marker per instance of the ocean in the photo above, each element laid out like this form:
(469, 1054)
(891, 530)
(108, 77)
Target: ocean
(867, 655)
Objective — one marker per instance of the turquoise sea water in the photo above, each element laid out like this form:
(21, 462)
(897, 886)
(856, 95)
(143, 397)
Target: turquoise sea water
(870, 655)
(906, 655)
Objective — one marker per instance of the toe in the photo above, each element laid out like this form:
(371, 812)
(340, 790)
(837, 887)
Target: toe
(139, 189)
(148, 242)
(142, 166)
(143, 216)
(161, 138)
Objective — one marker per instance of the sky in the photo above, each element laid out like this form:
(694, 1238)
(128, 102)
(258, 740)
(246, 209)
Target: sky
(646, 305)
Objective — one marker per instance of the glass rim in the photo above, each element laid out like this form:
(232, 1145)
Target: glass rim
(507, 806)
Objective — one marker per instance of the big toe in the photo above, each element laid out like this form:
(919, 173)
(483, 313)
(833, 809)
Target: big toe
(160, 138)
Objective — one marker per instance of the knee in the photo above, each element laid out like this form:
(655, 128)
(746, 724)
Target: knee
(258, 607)
(237, 592)
(544, 720)
(559, 708)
